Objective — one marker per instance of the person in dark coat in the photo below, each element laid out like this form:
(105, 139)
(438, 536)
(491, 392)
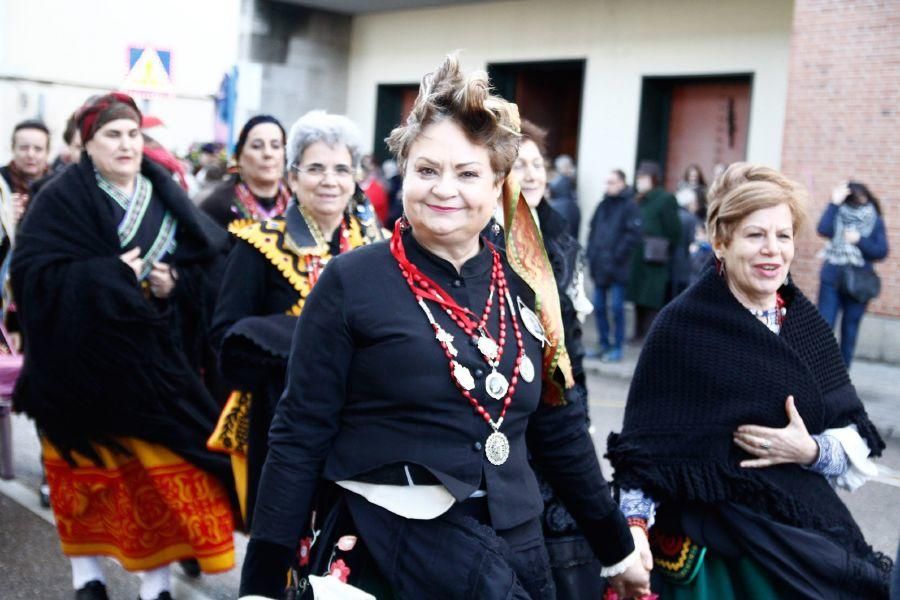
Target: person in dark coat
(742, 422)
(420, 381)
(270, 273)
(576, 570)
(854, 226)
(110, 269)
(257, 190)
(563, 195)
(614, 234)
(681, 268)
(648, 284)
(30, 149)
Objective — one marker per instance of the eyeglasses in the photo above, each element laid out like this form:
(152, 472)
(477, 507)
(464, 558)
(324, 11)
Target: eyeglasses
(319, 171)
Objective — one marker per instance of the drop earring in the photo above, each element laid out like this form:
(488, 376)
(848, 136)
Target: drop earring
(404, 223)
(495, 227)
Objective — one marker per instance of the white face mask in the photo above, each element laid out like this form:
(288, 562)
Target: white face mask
(644, 184)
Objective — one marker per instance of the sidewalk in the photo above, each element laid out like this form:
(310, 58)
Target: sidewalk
(878, 385)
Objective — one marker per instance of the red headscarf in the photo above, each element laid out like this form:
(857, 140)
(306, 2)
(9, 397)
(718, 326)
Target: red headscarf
(101, 110)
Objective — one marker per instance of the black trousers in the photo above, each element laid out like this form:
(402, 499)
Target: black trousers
(455, 556)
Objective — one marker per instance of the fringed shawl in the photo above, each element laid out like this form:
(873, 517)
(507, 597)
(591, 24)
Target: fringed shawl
(709, 366)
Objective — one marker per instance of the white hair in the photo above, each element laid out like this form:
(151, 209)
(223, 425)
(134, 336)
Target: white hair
(320, 126)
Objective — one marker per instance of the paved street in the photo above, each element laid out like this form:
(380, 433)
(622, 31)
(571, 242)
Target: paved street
(32, 566)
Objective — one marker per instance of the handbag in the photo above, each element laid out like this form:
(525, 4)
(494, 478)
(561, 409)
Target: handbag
(10, 366)
(656, 250)
(860, 283)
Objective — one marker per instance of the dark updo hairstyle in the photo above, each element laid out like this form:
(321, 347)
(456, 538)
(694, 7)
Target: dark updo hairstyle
(486, 119)
(859, 191)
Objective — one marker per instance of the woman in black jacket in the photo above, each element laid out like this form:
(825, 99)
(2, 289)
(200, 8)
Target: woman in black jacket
(257, 189)
(419, 369)
(270, 274)
(576, 570)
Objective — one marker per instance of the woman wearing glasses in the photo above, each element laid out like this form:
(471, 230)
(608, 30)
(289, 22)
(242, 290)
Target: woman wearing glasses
(270, 272)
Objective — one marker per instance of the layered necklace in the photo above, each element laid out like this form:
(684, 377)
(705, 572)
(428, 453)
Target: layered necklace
(476, 329)
(315, 263)
(772, 317)
(250, 208)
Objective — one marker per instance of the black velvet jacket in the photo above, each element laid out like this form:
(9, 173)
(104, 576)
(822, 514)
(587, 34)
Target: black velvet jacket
(369, 386)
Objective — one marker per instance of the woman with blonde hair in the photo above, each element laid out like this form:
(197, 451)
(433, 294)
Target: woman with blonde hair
(423, 373)
(741, 420)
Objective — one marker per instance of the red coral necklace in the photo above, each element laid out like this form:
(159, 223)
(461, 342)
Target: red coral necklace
(491, 349)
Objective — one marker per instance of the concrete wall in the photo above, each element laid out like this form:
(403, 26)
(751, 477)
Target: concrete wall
(55, 53)
(621, 40)
(293, 59)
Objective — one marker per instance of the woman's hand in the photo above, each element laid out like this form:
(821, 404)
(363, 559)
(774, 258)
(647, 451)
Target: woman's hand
(851, 236)
(791, 444)
(162, 280)
(132, 258)
(20, 203)
(635, 581)
(840, 193)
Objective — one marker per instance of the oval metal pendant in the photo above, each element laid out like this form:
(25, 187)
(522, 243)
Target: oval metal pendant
(531, 321)
(496, 385)
(488, 347)
(526, 369)
(496, 448)
(463, 375)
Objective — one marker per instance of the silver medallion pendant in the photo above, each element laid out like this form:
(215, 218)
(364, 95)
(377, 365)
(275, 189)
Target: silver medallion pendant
(526, 369)
(496, 448)
(488, 347)
(496, 385)
(531, 321)
(462, 375)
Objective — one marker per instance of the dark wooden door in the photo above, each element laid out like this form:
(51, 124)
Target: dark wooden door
(549, 95)
(708, 124)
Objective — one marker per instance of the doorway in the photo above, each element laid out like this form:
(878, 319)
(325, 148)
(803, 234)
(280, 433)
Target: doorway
(394, 103)
(693, 120)
(548, 94)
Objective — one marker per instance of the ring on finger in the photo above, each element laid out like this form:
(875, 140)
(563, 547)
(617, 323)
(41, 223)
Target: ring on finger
(765, 445)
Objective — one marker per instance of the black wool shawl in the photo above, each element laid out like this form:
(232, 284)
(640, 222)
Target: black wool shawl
(709, 366)
(102, 360)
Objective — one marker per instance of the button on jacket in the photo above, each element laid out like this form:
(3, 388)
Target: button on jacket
(369, 386)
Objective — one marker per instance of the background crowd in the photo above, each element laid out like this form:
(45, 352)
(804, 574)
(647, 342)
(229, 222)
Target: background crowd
(644, 244)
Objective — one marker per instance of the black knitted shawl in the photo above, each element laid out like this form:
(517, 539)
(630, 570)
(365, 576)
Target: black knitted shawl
(709, 366)
(102, 360)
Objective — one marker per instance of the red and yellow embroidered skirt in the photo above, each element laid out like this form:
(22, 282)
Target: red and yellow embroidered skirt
(145, 510)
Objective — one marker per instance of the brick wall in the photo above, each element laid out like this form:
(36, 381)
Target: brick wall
(843, 120)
